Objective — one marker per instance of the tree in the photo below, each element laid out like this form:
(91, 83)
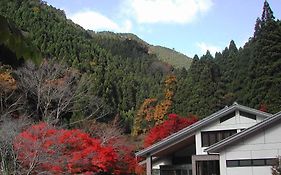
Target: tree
(257, 27)
(55, 92)
(44, 149)
(9, 128)
(163, 107)
(173, 124)
(145, 113)
(12, 120)
(111, 134)
(267, 13)
(276, 168)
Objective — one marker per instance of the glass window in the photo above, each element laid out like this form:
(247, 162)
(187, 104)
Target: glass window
(245, 162)
(248, 115)
(270, 162)
(205, 139)
(228, 116)
(250, 162)
(232, 163)
(213, 137)
(258, 162)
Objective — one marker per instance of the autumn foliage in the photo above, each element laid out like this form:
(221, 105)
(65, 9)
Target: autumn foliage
(150, 113)
(7, 82)
(145, 113)
(263, 107)
(161, 110)
(42, 148)
(173, 124)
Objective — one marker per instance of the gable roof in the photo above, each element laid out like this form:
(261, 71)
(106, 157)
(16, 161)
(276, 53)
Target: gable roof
(190, 130)
(215, 148)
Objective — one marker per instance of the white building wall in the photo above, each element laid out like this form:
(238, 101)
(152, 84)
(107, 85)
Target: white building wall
(237, 122)
(265, 144)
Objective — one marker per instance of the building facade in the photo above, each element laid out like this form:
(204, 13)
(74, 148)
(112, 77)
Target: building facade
(191, 150)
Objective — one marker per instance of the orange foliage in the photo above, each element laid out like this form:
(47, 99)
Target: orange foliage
(163, 107)
(7, 82)
(154, 115)
(145, 111)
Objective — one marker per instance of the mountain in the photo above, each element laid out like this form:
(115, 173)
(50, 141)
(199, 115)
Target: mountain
(170, 56)
(15, 46)
(177, 59)
(127, 70)
(124, 72)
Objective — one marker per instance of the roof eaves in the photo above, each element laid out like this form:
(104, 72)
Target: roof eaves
(255, 111)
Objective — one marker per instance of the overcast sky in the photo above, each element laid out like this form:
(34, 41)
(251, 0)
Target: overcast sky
(188, 26)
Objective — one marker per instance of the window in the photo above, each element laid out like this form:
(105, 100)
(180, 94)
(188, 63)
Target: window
(232, 163)
(270, 162)
(259, 162)
(250, 162)
(205, 139)
(245, 162)
(228, 116)
(212, 137)
(248, 115)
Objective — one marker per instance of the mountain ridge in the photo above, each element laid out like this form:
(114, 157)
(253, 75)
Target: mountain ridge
(170, 56)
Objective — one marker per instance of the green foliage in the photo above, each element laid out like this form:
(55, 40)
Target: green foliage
(172, 57)
(126, 70)
(14, 47)
(169, 56)
(123, 72)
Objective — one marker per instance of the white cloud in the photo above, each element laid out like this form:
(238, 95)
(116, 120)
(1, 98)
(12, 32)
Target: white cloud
(204, 47)
(166, 11)
(93, 20)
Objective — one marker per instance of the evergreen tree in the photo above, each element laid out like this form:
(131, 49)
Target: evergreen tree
(267, 13)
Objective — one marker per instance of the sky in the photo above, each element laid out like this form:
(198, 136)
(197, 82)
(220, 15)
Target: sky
(188, 26)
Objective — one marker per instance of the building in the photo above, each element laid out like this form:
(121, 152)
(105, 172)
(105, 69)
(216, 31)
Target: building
(220, 144)
(251, 152)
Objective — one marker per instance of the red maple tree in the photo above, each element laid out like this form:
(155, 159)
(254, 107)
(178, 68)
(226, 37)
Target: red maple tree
(173, 124)
(43, 148)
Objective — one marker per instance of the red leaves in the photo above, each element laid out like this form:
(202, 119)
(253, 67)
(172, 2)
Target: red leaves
(263, 107)
(44, 148)
(173, 124)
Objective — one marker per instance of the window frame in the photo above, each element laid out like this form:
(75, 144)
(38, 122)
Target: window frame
(237, 162)
(218, 136)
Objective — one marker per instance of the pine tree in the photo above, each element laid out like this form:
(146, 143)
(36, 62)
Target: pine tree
(257, 27)
(267, 13)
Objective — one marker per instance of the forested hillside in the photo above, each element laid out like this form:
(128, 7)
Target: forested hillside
(68, 95)
(122, 81)
(125, 73)
(250, 75)
(14, 46)
(166, 55)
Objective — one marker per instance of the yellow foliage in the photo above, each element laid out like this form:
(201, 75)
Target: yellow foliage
(36, 9)
(7, 82)
(163, 107)
(145, 112)
(170, 80)
(155, 114)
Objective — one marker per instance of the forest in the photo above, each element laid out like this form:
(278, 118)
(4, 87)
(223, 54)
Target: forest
(61, 85)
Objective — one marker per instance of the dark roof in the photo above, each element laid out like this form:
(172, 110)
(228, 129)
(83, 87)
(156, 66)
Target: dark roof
(190, 130)
(215, 148)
